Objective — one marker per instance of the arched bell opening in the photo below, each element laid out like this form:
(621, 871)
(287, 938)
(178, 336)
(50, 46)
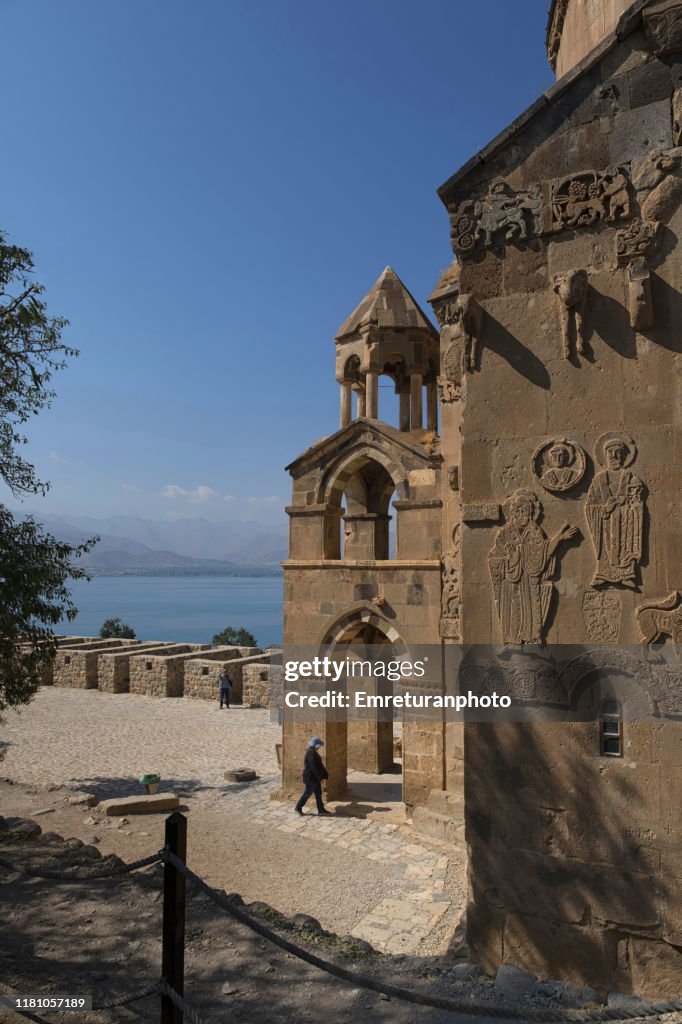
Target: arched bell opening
(363, 492)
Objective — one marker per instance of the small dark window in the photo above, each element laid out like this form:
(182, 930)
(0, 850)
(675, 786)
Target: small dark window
(204, 671)
(149, 665)
(611, 729)
(67, 659)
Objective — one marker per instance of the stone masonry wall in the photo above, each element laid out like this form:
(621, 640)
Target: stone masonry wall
(113, 669)
(564, 363)
(159, 676)
(77, 666)
(201, 676)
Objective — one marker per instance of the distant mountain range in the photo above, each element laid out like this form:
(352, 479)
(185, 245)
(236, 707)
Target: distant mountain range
(132, 545)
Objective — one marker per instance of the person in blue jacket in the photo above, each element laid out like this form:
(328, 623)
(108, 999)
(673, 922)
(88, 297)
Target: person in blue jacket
(314, 772)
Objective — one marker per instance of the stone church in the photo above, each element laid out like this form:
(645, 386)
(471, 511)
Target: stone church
(533, 479)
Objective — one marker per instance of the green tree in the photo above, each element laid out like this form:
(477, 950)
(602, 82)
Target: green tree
(34, 566)
(116, 628)
(234, 637)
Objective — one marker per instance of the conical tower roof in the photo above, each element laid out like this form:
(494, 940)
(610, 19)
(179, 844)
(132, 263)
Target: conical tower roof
(389, 305)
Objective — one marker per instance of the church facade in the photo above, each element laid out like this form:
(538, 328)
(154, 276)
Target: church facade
(535, 477)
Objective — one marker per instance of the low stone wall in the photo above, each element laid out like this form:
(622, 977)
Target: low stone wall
(69, 642)
(262, 685)
(159, 676)
(76, 666)
(201, 676)
(113, 668)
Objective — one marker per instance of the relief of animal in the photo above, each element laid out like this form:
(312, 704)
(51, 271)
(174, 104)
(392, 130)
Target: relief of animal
(660, 619)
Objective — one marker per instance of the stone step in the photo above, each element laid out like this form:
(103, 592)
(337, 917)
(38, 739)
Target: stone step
(438, 826)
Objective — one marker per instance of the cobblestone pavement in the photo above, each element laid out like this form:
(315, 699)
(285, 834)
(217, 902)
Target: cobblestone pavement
(381, 881)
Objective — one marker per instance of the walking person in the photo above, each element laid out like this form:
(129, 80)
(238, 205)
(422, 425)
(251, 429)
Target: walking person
(224, 685)
(314, 772)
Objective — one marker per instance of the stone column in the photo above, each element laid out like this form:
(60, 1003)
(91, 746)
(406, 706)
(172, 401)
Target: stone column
(362, 404)
(405, 410)
(415, 401)
(346, 403)
(372, 392)
(432, 406)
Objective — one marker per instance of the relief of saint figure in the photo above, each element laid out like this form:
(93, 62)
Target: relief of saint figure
(615, 513)
(522, 563)
(559, 465)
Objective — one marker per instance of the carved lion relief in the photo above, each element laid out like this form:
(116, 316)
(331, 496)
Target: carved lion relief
(660, 619)
(583, 199)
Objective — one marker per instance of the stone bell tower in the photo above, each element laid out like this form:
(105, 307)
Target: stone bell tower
(388, 334)
(344, 581)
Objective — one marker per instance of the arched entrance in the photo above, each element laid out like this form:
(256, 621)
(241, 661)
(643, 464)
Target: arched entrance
(373, 771)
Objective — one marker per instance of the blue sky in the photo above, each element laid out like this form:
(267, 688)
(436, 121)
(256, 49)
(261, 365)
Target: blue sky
(209, 188)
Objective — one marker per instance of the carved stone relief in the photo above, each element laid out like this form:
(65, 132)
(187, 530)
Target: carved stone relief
(522, 563)
(636, 240)
(448, 391)
(559, 464)
(485, 512)
(583, 199)
(450, 590)
(572, 289)
(472, 322)
(501, 216)
(453, 478)
(664, 27)
(615, 513)
(448, 313)
(554, 34)
(658, 183)
(677, 117)
(602, 613)
(640, 295)
(660, 619)
(450, 381)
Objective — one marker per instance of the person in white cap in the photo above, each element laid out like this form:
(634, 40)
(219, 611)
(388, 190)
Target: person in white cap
(314, 772)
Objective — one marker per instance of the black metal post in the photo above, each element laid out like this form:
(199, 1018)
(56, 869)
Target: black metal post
(173, 955)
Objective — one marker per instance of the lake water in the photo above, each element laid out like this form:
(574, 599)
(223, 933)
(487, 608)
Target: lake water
(178, 608)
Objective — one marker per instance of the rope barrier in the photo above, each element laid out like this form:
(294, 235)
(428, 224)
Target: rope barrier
(462, 1006)
(190, 1014)
(127, 997)
(87, 872)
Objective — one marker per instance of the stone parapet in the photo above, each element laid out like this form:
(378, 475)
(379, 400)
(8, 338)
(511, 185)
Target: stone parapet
(164, 676)
(77, 666)
(201, 676)
(113, 668)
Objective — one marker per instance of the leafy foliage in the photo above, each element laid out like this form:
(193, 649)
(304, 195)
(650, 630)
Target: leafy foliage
(234, 637)
(34, 566)
(116, 628)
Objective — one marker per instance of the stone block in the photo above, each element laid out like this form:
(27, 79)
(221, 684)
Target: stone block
(636, 132)
(649, 83)
(153, 804)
